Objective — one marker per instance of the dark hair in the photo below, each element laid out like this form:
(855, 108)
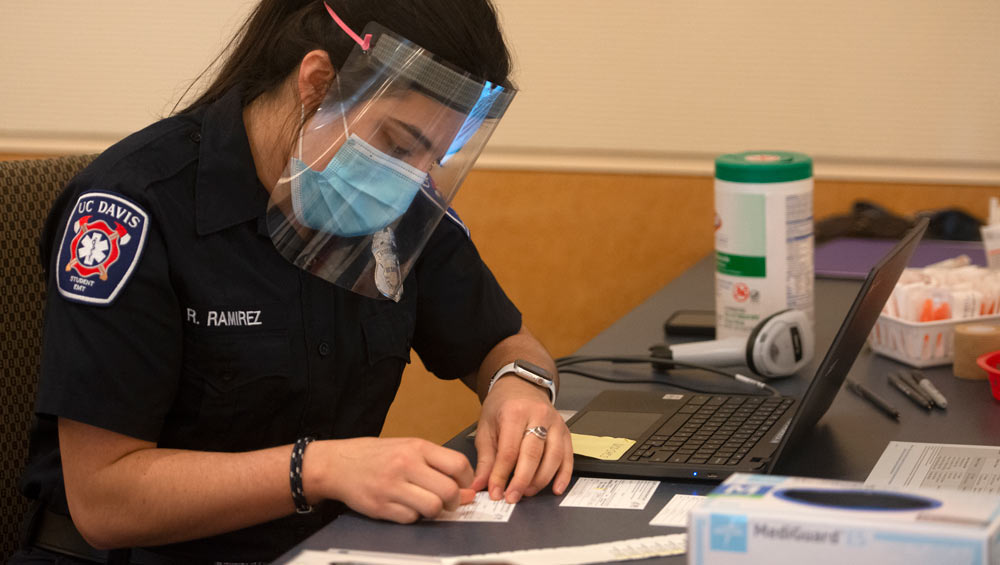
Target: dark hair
(278, 34)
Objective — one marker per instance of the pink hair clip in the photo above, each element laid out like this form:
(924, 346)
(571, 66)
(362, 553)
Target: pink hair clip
(364, 43)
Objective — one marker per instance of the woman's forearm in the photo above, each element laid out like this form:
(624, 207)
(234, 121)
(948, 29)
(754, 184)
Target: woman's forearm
(153, 496)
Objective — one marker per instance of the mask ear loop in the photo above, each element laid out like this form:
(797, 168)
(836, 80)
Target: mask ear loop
(343, 113)
(302, 120)
(302, 126)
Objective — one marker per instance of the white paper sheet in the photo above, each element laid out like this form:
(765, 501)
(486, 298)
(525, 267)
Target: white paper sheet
(482, 509)
(675, 513)
(970, 468)
(623, 550)
(591, 492)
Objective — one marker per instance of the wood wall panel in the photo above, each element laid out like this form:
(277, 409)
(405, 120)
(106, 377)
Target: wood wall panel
(577, 251)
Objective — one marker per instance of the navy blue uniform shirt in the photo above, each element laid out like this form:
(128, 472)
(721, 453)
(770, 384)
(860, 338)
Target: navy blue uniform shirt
(171, 318)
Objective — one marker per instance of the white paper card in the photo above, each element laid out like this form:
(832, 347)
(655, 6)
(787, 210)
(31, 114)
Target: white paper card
(589, 492)
(675, 513)
(624, 550)
(970, 468)
(350, 557)
(482, 509)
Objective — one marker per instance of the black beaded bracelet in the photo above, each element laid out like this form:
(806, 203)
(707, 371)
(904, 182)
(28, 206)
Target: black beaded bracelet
(295, 476)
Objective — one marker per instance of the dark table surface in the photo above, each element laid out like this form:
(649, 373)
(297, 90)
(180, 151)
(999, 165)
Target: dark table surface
(845, 444)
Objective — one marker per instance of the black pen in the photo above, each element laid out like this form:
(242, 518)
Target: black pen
(910, 379)
(910, 393)
(874, 399)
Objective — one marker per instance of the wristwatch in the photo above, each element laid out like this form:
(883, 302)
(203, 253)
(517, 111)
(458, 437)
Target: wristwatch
(529, 372)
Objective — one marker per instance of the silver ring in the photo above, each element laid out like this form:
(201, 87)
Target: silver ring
(541, 432)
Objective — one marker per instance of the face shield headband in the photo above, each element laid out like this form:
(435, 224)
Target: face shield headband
(377, 165)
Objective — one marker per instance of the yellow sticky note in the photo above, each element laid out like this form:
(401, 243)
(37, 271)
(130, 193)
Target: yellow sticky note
(601, 447)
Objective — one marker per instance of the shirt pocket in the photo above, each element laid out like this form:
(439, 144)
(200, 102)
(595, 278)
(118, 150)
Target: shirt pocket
(238, 388)
(388, 335)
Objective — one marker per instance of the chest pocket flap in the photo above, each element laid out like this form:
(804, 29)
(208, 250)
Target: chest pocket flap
(235, 392)
(389, 334)
(230, 363)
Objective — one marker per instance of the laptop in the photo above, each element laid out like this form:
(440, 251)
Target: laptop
(710, 436)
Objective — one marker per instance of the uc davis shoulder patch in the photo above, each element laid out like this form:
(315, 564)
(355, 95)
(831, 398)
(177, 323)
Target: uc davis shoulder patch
(100, 247)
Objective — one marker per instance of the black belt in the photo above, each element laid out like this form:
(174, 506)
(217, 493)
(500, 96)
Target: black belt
(56, 532)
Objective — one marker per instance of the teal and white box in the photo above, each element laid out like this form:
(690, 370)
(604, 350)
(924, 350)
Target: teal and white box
(775, 520)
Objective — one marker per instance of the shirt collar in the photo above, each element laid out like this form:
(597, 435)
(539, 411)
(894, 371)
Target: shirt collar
(227, 190)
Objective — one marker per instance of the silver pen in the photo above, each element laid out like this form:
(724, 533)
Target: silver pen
(932, 391)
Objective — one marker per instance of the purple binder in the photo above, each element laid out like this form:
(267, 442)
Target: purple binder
(852, 258)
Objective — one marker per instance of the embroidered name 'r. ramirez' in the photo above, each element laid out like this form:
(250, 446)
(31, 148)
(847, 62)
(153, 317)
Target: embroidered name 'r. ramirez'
(226, 318)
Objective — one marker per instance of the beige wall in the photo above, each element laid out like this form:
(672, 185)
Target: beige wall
(889, 90)
(895, 90)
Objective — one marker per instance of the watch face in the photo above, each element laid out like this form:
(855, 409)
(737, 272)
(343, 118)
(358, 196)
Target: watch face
(533, 368)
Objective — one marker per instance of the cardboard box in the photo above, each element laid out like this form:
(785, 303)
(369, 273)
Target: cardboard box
(775, 520)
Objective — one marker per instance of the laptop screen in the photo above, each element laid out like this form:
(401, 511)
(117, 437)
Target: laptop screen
(853, 333)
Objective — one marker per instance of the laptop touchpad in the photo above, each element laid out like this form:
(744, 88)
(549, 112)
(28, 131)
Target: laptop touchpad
(615, 424)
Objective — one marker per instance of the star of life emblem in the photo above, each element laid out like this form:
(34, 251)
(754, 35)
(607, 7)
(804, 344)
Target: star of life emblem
(100, 247)
(95, 247)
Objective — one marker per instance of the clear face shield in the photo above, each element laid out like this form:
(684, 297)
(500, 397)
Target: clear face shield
(378, 164)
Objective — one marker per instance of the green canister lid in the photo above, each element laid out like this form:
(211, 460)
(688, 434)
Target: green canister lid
(763, 166)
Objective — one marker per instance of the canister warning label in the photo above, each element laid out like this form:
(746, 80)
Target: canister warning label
(740, 265)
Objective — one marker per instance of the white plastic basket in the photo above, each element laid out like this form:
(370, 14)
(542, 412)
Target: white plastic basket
(918, 344)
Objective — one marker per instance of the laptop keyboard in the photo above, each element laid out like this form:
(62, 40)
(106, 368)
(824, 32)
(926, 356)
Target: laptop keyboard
(712, 430)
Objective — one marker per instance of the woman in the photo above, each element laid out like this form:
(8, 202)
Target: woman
(234, 292)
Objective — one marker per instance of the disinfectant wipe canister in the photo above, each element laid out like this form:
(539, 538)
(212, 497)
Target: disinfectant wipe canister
(763, 238)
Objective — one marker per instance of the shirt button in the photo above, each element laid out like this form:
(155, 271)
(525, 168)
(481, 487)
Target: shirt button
(196, 136)
(324, 349)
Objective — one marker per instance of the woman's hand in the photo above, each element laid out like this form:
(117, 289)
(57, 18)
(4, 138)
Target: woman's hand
(397, 479)
(505, 446)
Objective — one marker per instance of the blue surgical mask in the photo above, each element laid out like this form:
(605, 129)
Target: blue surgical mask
(361, 190)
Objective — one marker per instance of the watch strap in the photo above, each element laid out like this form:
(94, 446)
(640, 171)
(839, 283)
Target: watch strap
(518, 371)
